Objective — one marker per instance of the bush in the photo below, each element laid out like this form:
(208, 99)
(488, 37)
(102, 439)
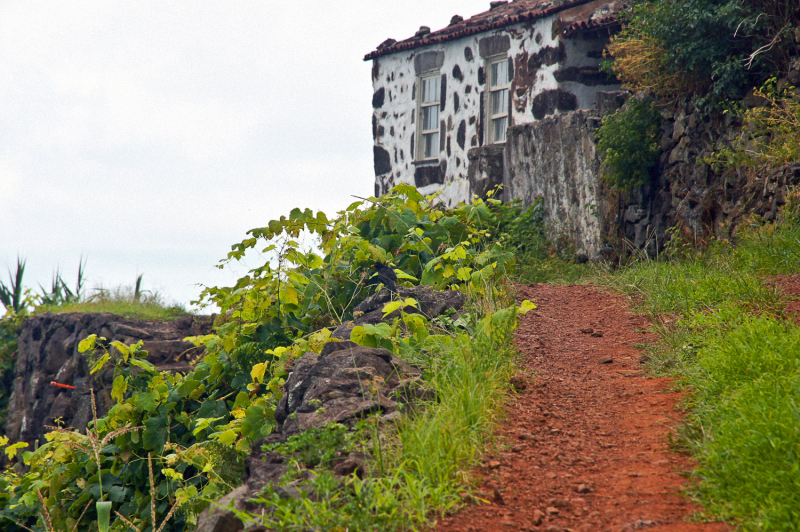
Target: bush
(628, 145)
(717, 49)
(770, 133)
(521, 229)
(164, 433)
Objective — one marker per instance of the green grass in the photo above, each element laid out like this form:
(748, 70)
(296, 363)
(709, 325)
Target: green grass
(123, 302)
(533, 268)
(723, 332)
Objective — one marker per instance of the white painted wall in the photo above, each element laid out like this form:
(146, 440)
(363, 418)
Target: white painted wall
(395, 120)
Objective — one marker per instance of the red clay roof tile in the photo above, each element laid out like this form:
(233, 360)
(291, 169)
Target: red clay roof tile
(499, 16)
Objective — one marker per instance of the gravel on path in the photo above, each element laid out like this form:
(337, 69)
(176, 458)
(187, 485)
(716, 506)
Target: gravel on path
(586, 440)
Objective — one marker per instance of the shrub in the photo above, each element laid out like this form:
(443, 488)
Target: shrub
(717, 49)
(770, 133)
(628, 145)
(175, 424)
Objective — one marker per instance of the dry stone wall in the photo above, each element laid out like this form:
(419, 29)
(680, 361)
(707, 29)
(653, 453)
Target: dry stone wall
(703, 200)
(555, 159)
(48, 351)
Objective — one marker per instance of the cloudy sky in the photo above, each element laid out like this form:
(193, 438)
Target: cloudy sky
(149, 136)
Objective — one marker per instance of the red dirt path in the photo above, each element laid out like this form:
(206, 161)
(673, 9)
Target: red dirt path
(587, 437)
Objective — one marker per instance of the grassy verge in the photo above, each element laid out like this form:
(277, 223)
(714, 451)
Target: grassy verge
(421, 468)
(724, 334)
(123, 302)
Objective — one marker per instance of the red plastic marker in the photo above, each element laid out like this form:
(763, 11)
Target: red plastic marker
(59, 385)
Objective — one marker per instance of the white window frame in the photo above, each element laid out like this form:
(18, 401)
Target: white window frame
(495, 90)
(433, 133)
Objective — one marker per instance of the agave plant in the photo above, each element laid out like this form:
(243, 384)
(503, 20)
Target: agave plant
(60, 293)
(11, 295)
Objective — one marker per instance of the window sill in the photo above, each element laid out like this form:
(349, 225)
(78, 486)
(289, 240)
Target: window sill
(425, 162)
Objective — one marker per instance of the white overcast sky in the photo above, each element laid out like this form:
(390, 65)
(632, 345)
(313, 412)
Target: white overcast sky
(149, 136)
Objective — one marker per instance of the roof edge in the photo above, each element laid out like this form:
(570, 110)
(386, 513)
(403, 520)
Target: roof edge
(410, 44)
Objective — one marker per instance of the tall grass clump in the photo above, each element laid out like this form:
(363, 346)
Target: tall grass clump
(772, 249)
(471, 380)
(724, 334)
(747, 408)
(125, 301)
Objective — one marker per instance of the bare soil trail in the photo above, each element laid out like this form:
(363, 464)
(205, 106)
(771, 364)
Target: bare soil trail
(587, 437)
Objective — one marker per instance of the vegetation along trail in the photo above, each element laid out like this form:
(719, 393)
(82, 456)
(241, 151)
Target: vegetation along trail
(586, 442)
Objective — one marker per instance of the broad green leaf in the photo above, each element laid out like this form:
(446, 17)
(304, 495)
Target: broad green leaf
(11, 450)
(290, 296)
(187, 387)
(122, 348)
(119, 388)
(403, 275)
(143, 364)
(144, 401)
(202, 424)
(227, 437)
(391, 307)
(156, 433)
(358, 334)
(99, 364)
(525, 307)
(186, 493)
(382, 330)
(253, 421)
(242, 400)
(87, 343)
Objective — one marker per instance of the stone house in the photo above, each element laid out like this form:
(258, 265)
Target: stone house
(446, 103)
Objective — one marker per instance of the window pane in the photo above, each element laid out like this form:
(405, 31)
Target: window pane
(499, 73)
(430, 117)
(430, 90)
(500, 102)
(499, 126)
(431, 145)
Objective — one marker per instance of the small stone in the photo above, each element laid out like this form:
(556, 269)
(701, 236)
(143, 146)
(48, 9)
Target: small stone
(552, 510)
(559, 503)
(538, 517)
(553, 528)
(644, 359)
(526, 436)
(597, 334)
(608, 359)
(494, 464)
(588, 330)
(583, 488)
(517, 448)
(497, 497)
